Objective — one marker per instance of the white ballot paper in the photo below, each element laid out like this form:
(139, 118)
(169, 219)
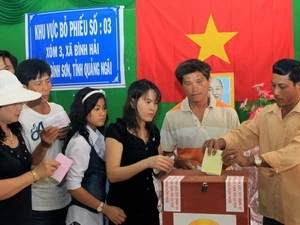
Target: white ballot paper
(60, 120)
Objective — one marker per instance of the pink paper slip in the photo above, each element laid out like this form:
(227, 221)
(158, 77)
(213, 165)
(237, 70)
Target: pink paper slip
(62, 170)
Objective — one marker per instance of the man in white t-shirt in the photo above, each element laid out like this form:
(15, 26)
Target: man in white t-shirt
(49, 199)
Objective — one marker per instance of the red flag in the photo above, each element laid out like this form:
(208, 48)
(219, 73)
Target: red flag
(240, 37)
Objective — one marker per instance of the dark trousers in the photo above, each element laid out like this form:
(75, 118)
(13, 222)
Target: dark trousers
(268, 221)
(53, 217)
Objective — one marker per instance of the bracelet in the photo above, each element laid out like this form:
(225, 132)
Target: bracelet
(36, 177)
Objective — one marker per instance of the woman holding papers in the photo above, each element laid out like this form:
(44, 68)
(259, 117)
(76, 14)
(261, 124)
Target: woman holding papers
(50, 199)
(16, 175)
(132, 145)
(86, 179)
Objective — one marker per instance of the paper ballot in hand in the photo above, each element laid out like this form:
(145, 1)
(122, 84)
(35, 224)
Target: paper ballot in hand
(212, 164)
(60, 120)
(62, 170)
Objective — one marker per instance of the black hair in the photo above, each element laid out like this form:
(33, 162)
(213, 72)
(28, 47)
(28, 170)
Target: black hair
(32, 69)
(130, 114)
(289, 67)
(5, 54)
(79, 112)
(191, 66)
(16, 129)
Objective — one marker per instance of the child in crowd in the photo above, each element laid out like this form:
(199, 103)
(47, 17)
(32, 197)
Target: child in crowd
(86, 180)
(132, 145)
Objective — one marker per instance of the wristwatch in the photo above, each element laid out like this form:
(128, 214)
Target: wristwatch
(100, 207)
(257, 161)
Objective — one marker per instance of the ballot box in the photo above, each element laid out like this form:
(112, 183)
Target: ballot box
(192, 197)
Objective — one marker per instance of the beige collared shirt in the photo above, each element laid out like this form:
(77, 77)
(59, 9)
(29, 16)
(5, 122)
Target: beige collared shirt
(279, 143)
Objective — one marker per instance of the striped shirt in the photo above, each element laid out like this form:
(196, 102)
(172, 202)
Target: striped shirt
(182, 130)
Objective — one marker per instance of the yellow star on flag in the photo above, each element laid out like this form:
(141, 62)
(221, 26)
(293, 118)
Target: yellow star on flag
(212, 41)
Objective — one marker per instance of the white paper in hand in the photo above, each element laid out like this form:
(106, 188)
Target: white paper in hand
(60, 120)
(62, 170)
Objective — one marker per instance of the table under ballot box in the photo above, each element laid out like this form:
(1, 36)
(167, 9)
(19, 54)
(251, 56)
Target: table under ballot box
(195, 198)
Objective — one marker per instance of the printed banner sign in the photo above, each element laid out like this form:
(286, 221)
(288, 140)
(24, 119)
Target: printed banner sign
(83, 47)
(235, 194)
(172, 194)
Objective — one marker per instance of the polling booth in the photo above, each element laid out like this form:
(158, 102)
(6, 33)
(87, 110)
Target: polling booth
(195, 198)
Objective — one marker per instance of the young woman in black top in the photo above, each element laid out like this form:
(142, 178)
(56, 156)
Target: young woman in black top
(132, 145)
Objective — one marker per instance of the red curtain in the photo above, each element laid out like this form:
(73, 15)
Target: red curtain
(234, 36)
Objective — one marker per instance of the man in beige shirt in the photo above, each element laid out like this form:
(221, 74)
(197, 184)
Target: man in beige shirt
(276, 129)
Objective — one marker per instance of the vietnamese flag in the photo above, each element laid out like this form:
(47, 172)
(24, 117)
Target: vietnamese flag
(233, 36)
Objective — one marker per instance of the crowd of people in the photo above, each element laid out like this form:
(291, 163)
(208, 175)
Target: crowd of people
(115, 166)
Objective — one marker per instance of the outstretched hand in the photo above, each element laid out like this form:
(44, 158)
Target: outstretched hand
(186, 164)
(212, 145)
(160, 162)
(231, 157)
